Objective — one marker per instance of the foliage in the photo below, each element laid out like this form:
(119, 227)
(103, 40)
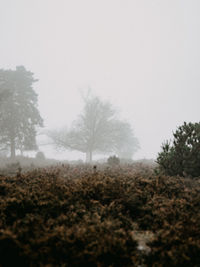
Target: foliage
(71, 216)
(113, 160)
(97, 130)
(125, 144)
(183, 156)
(19, 115)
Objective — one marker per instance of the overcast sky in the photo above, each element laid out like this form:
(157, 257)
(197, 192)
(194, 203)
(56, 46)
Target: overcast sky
(141, 55)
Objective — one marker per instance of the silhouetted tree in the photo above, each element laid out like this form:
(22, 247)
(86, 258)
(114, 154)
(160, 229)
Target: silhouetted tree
(19, 115)
(97, 130)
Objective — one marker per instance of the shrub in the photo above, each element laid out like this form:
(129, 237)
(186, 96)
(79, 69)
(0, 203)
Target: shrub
(40, 155)
(67, 215)
(182, 157)
(113, 160)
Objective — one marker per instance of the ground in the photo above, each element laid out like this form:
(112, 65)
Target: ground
(71, 215)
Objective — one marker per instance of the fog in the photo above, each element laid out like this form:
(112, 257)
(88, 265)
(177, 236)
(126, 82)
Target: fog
(141, 55)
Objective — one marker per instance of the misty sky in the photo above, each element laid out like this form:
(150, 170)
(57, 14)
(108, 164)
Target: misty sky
(141, 55)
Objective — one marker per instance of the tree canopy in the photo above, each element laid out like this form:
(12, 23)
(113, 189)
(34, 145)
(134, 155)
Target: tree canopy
(97, 130)
(19, 115)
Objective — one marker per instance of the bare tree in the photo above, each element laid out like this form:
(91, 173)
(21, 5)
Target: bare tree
(96, 130)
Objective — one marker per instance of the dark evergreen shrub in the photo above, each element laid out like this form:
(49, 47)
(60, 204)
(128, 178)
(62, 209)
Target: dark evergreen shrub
(182, 157)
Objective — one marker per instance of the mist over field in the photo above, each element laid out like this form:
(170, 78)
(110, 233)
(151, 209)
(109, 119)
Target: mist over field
(99, 133)
(141, 56)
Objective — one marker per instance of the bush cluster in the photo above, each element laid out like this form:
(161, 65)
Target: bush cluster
(40, 156)
(113, 160)
(122, 216)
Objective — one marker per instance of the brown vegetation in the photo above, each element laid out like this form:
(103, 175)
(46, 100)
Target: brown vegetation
(122, 216)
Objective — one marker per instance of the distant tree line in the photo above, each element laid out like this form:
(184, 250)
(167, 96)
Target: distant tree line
(96, 130)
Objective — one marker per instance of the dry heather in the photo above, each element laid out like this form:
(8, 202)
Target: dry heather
(75, 216)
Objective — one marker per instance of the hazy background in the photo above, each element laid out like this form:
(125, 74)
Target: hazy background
(141, 55)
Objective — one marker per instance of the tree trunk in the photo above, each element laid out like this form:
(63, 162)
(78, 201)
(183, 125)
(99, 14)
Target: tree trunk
(89, 156)
(22, 152)
(12, 148)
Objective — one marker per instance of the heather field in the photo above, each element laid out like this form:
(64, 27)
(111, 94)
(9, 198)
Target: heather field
(126, 215)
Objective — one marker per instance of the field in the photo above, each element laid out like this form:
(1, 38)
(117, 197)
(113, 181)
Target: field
(80, 216)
